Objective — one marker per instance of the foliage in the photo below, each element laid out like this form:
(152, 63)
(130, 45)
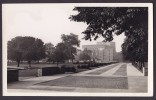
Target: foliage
(25, 48)
(71, 42)
(107, 21)
(40, 49)
(85, 55)
(135, 47)
(104, 21)
(60, 53)
(13, 51)
(71, 39)
(49, 50)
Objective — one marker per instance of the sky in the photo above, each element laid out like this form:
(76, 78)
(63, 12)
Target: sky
(46, 22)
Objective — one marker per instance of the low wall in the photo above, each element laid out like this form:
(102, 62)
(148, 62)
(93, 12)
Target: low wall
(50, 71)
(29, 72)
(45, 71)
(84, 66)
(12, 76)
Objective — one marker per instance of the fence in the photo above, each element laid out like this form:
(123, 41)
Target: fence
(141, 67)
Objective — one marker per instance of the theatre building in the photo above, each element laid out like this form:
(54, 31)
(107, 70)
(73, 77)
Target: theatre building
(102, 52)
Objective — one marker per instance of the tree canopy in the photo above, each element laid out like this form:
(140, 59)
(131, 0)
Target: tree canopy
(106, 21)
(14, 52)
(85, 55)
(40, 49)
(64, 50)
(71, 42)
(49, 50)
(25, 48)
(109, 21)
(60, 53)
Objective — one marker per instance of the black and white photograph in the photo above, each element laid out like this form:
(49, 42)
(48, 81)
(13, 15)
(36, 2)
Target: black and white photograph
(77, 49)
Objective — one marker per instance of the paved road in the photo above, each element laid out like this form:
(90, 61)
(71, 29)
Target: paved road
(119, 77)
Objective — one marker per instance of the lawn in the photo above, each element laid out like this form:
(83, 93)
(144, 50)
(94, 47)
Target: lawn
(40, 65)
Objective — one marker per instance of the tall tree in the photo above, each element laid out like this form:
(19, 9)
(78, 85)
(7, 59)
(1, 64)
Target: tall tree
(14, 52)
(49, 49)
(107, 21)
(71, 41)
(60, 54)
(135, 48)
(29, 49)
(40, 49)
(25, 48)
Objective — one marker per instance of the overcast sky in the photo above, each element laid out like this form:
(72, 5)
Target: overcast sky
(44, 21)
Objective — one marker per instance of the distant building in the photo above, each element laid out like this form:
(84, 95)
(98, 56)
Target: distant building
(102, 52)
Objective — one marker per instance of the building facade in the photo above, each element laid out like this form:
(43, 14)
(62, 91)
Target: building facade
(102, 52)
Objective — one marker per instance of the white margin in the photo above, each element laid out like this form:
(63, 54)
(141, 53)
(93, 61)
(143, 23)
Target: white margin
(150, 52)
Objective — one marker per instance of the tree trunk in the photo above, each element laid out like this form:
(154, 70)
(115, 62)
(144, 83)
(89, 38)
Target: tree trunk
(140, 64)
(143, 63)
(57, 63)
(18, 62)
(29, 62)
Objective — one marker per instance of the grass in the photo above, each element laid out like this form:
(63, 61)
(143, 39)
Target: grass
(98, 72)
(34, 65)
(89, 82)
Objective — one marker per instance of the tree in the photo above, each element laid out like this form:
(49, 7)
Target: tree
(135, 49)
(85, 55)
(29, 49)
(60, 54)
(40, 49)
(14, 52)
(71, 41)
(107, 21)
(25, 48)
(49, 50)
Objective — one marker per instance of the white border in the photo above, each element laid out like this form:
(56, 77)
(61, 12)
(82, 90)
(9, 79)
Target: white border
(150, 52)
